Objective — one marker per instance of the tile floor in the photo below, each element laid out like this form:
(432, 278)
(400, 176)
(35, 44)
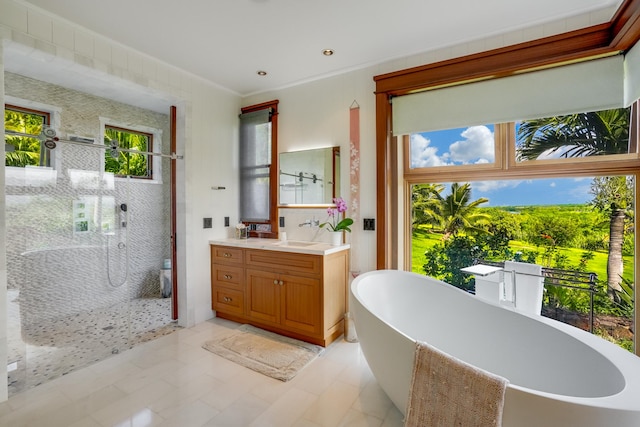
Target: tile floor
(173, 381)
(43, 351)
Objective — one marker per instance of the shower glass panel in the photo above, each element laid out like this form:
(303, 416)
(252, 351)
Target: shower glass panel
(85, 255)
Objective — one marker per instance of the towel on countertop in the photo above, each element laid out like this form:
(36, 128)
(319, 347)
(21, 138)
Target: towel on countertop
(447, 392)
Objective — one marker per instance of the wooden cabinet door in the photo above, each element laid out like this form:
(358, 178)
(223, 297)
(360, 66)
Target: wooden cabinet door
(301, 302)
(263, 296)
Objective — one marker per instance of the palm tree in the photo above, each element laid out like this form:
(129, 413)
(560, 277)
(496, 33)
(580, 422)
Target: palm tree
(24, 150)
(576, 135)
(579, 135)
(613, 194)
(126, 163)
(456, 212)
(424, 203)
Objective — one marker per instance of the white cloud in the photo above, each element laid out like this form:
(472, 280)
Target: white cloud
(489, 186)
(423, 155)
(553, 184)
(477, 146)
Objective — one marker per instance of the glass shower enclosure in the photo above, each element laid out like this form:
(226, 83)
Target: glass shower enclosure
(85, 252)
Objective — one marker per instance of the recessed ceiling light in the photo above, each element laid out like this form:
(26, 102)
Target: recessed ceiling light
(261, 73)
(327, 52)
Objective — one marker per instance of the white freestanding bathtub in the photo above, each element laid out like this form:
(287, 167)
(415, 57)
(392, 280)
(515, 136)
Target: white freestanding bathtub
(559, 375)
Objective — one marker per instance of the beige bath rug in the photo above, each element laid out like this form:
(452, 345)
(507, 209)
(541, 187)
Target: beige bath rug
(270, 354)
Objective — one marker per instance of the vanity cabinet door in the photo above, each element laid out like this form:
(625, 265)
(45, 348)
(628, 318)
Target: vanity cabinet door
(301, 302)
(263, 296)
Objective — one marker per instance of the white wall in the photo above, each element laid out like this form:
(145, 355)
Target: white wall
(316, 115)
(4, 391)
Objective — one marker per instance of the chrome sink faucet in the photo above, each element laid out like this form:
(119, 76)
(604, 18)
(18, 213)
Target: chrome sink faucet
(310, 223)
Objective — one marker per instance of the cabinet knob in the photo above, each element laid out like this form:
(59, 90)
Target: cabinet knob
(227, 276)
(226, 255)
(275, 281)
(281, 283)
(228, 299)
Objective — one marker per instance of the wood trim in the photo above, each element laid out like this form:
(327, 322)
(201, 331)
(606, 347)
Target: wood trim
(604, 167)
(383, 128)
(394, 197)
(625, 26)
(174, 249)
(273, 170)
(269, 104)
(545, 52)
(273, 174)
(408, 249)
(618, 35)
(17, 108)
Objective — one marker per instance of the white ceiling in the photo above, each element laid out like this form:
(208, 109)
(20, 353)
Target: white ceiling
(227, 41)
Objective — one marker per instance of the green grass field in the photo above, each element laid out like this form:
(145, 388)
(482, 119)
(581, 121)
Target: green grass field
(423, 240)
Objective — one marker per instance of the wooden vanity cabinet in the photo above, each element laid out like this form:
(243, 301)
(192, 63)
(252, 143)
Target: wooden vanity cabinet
(299, 295)
(292, 302)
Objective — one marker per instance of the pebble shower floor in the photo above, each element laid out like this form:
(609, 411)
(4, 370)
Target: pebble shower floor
(49, 350)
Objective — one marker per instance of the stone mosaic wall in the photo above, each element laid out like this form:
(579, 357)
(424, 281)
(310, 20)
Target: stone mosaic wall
(59, 269)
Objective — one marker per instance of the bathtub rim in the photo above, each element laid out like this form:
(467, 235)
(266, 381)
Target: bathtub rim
(627, 363)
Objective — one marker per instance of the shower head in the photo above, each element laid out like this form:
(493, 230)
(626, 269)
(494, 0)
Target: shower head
(50, 143)
(48, 131)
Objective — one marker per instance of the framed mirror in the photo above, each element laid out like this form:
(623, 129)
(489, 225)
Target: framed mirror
(309, 177)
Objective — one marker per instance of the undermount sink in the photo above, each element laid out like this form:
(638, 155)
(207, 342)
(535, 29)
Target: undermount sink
(296, 243)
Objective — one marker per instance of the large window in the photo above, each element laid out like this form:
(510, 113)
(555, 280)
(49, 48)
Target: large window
(582, 226)
(127, 162)
(541, 78)
(551, 203)
(22, 150)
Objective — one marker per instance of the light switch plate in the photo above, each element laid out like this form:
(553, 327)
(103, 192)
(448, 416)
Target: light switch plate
(369, 224)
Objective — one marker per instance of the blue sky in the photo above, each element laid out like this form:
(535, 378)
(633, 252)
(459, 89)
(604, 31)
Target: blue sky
(475, 145)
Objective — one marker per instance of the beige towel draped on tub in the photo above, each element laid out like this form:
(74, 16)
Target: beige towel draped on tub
(447, 392)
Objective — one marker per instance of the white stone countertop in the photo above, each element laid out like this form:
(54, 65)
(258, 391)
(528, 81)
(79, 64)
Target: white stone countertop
(297, 246)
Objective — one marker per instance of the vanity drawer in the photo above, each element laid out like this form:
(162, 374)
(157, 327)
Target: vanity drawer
(228, 300)
(226, 255)
(228, 276)
(285, 262)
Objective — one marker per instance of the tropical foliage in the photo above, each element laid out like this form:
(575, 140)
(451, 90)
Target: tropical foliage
(452, 213)
(568, 237)
(613, 195)
(588, 134)
(577, 135)
(123, 163)
(25, 150)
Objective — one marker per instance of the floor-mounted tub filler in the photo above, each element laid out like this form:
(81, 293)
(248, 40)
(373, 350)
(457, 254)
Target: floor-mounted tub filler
(558, 375)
